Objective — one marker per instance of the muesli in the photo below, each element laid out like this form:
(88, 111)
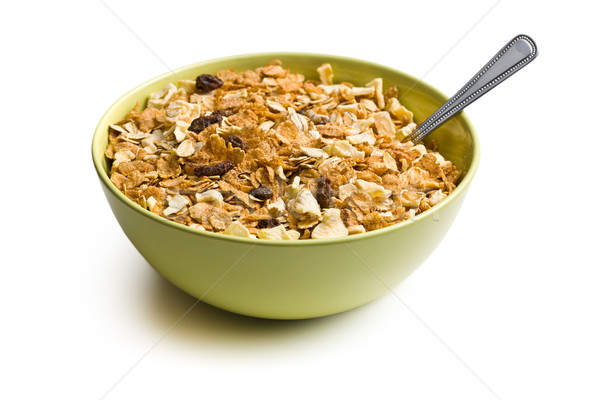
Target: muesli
(266, 153)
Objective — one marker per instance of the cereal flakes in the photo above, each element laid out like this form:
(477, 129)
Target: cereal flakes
(266, 153)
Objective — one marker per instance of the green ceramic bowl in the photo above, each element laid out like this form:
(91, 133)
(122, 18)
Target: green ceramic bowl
(292, 279)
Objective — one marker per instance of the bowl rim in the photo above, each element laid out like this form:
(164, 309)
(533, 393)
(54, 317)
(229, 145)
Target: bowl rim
(460, 188)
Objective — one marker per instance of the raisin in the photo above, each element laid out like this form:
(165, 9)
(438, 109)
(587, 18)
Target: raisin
(222, 167)
(267, 223)
(207, 83)
(236, 141)
(201, 123)
(262, 193)
(324, 192)
(212, 170)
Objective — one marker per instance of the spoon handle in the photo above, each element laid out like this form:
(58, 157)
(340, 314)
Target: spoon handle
(515, 55)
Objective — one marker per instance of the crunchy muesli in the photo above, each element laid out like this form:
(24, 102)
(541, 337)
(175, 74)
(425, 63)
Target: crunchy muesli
(266, 153)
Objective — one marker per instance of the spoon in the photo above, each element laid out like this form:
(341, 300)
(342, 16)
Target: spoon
(515, 55)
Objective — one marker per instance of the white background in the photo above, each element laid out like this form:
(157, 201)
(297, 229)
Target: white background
(506, 307)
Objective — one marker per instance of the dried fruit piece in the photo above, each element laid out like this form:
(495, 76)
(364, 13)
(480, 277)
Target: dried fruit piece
(262, 193)
(201, 123)
(210, 196)
(384, 124)
(355, 229)
(305, 208)
(346, 190)
(332, 225)
(325, 74)
(236, 141)
(436, 197)
(176, 203)
(278, 233)
(398, 111)
(267, 223)
(372, 189)
(377, 83)
(277, 207)
(208, 83)
(313, 152)
(343, 148)
(213, 170)
(236, 228)
(324, 191)
(406, 131)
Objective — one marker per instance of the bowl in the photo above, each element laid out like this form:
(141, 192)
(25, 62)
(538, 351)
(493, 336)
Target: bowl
(292, 279)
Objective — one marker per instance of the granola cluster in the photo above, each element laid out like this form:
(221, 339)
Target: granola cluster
(265, 153)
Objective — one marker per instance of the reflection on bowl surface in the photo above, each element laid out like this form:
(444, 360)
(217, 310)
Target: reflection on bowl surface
(292, 279)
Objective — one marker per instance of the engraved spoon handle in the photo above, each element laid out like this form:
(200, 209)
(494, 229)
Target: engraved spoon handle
(515, 55)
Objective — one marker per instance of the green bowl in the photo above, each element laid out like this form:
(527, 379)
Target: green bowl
(292, 279)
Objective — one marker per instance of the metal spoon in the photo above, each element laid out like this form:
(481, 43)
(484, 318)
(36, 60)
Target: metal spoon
(515, 55)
